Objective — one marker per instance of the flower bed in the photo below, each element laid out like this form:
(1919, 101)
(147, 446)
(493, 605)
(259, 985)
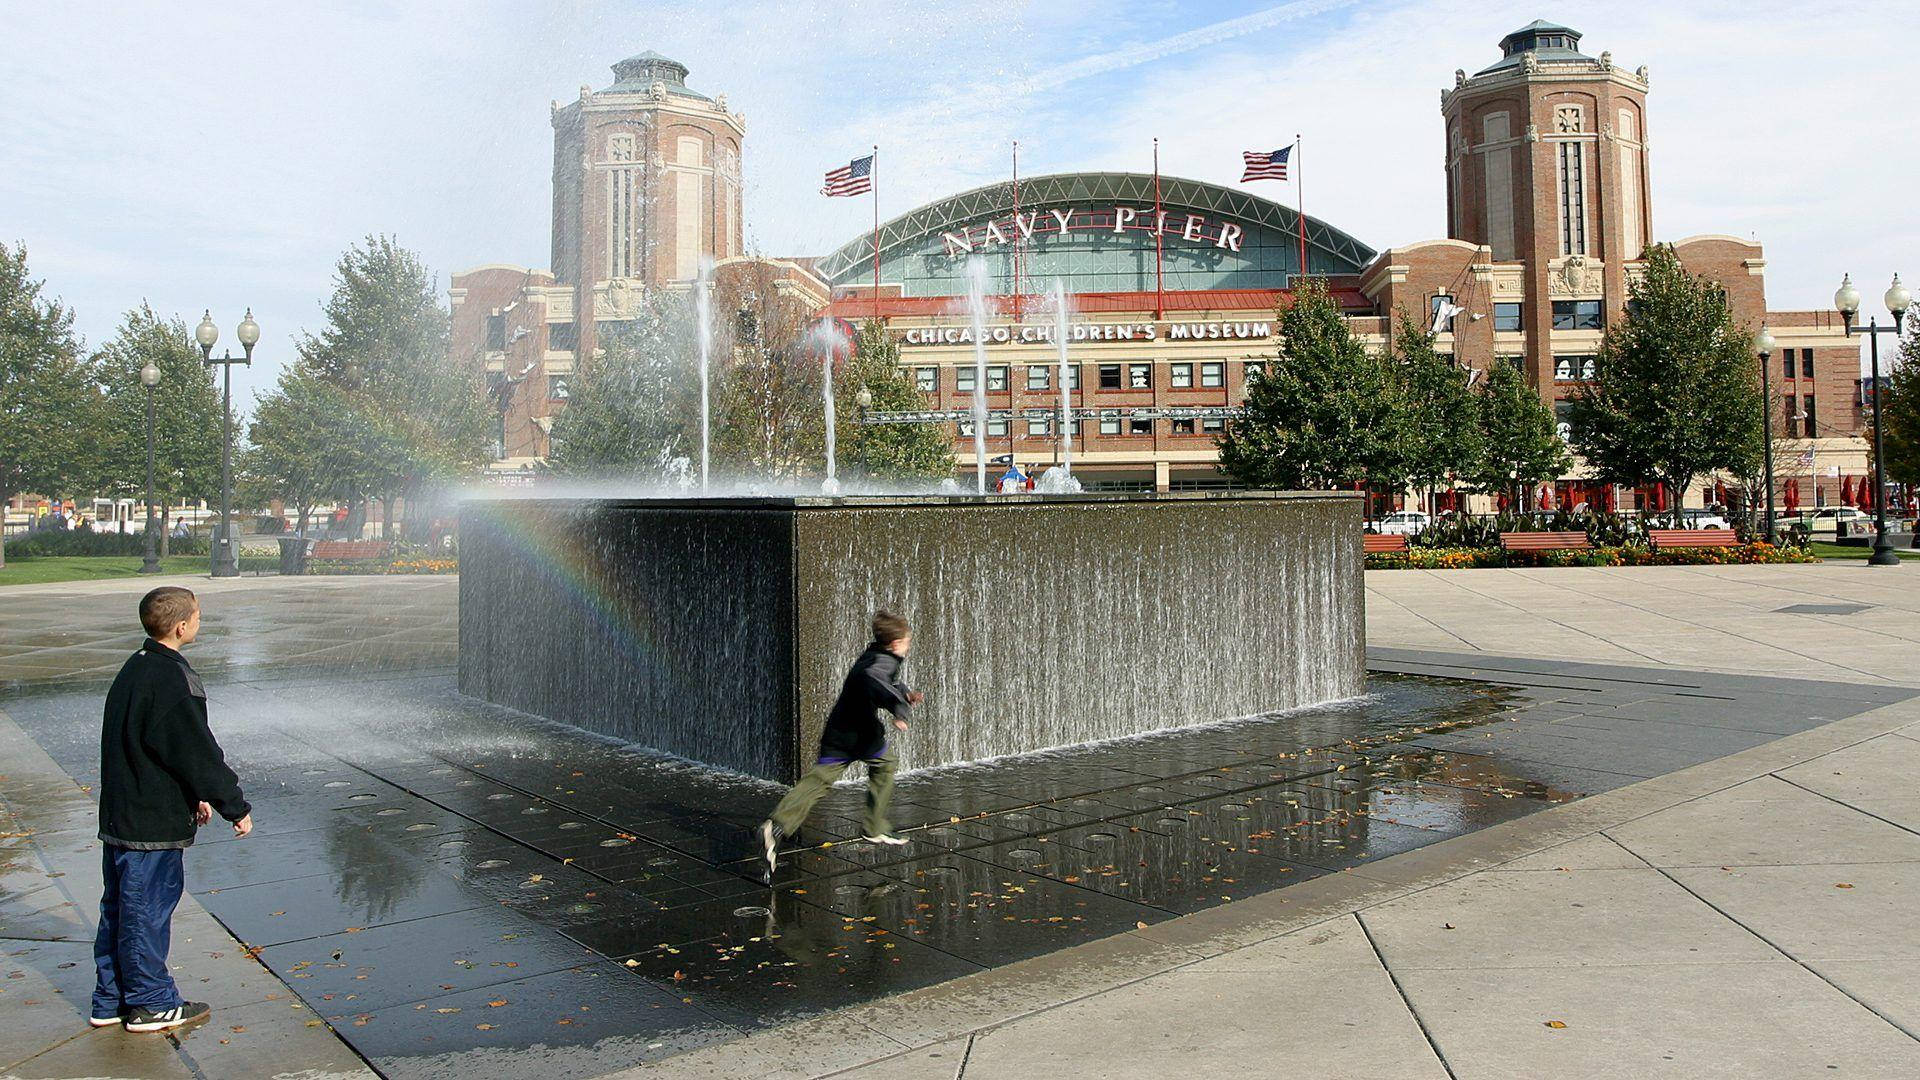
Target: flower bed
(1623, 555)
(400, 564)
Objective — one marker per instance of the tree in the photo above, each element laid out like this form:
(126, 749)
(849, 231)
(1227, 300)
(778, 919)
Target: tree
(1675, 393)
(186, 411)
(1520, 444)
(50, 412)
(886, 451)
(1323, 414)
(771, 424)
(1900, 411)
(1439, 428)
(303, 446)
(636, 411)
(422, 418)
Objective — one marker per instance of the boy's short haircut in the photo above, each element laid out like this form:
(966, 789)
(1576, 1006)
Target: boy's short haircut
(165, 608)
(888, 627)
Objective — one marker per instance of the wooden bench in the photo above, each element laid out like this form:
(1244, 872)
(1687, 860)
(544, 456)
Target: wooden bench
(351, 550)
(1382, 543)
(1694, 538)
(1544, 541)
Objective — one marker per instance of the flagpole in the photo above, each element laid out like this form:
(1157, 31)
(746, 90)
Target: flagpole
(1159, 275)
(1016, 240)
(873, 188)
(1300, 202)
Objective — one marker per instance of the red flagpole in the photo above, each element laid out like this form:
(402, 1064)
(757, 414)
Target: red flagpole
(1159, 275)
(1016, 234)
(873, 189)
(1300, 202)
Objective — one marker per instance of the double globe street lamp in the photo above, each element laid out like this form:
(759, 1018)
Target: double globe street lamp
(1763, 343)
(1897, 299)
(225, 563)
(150, 378)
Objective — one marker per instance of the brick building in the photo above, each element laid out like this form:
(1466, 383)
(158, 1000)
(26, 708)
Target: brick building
(1172, 292)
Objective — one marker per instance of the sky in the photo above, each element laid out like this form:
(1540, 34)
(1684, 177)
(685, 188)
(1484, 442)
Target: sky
(220, 156)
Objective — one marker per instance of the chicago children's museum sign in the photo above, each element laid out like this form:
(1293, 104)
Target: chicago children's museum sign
(1119, 220)
(1132, 331)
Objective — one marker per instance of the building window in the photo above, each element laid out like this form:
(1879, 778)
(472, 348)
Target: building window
(1139, 376)
(1793, 418)
(997, 378)
(1516, 362)
(1109, 423)
(1813, 423)
(1786, 363)
(1213, 425)
(1576, 315)
(1138, 425)
(557, 388)
(1183, 426)
(622, 203)
(1180, 376)
(1213, 373)
(1040, 425)
(1253, 369)
(1433, 314)
(1506, 316)
(563, 336)
(1573, 199)
(1573, 368)
(1039, 377)
(1073, 376)
(926, 380)
(496, 332)
(997, 426)
(1109, 376)
(965, 379)
(1806, 363)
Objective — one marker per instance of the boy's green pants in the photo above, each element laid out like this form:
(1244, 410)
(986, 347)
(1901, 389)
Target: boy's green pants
(798, 803)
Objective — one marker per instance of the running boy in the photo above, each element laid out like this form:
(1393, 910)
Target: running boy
(856, 731)
(161, 776)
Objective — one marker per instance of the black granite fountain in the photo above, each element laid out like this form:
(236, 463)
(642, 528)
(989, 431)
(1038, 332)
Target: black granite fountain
(719, 629)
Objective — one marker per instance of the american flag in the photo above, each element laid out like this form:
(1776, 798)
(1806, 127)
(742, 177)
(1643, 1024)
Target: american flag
(1268, 165)
(853, 178)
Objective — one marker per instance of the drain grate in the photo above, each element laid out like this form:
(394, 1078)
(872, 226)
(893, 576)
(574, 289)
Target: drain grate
(1823, 609)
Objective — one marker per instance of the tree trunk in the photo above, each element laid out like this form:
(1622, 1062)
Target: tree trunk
(301, 528)
(386, 516)
(165, 532)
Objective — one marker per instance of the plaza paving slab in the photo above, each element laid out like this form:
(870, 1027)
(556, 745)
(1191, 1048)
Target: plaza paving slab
(1487, 840)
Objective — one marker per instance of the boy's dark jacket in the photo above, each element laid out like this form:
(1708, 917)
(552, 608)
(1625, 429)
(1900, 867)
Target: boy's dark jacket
(158, 758)
(855, 731)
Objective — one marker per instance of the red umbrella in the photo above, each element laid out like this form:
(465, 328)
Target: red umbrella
(1546, 497)
(1790, 495)
(1863, 491)
(1846, 491)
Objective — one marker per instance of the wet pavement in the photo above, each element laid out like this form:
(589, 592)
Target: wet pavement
(436, 877)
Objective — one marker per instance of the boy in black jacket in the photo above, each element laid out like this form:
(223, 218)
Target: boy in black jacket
(855, 731)
(161, 776)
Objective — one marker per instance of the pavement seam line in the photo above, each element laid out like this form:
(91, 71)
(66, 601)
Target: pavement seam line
(965, 1057)
(1420, 1021)
(1844, 803)
(1771, 944)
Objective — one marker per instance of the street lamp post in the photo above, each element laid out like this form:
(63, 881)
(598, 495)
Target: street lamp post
(150, 378)
(1847, 299)
(225, 563)
(1763, 343)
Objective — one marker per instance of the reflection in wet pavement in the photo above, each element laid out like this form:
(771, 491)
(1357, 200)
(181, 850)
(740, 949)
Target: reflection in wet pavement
(433, 874)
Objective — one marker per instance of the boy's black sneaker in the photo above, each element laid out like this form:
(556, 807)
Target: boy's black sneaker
(180, 1015)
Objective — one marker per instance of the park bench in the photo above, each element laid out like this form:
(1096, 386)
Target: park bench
(1544, 541)
(1695, 538)
(351, 550)
(1382, 543)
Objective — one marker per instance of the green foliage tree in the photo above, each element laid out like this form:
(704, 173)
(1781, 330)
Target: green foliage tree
(769, 418)
(1323, 414)
(1439, 422)
(186, 410)
(51, 418)
(1519, 442)
(421, 417)
(636, 411)
(1900, 411)
(886, 451)
(1675, 393)
(303, 445)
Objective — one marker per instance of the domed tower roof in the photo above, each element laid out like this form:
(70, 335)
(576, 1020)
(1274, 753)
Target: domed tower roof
(637, 74)
(1548, 42)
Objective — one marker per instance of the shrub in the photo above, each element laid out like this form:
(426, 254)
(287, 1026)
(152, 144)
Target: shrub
(86, 541)
(1430, 558)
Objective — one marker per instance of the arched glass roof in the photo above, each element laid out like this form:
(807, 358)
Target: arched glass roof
(1095, 232)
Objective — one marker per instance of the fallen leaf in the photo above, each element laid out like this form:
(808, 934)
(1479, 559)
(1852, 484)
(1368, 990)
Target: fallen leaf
(502, 1001)
(483, 1027)
(1139, 926)
(1843, 885)
(1555, 1024)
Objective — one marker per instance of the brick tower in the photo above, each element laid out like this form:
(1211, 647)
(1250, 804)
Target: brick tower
(1547, 167)
(646, 181)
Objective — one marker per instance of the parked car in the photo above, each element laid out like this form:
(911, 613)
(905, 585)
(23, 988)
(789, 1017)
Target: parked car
(1827, 518)
(1404, 523)
(1706, 519)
